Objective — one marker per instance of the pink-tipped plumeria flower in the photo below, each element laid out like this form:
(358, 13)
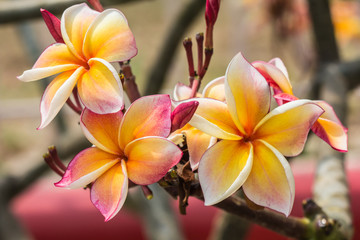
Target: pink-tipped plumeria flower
(197, 141)
(253, 141)
(126, 147)
(328, 127)
(92, 40)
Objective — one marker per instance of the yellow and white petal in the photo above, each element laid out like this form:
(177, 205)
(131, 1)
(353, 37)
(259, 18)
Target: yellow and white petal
(182, 92)
(287, 126)
(150, 158)
(271, 182)
(75, 23)
(212, 117)
(329, 112)
(329, 128)
(55, 59)
(277, 62)
(110, 38)
(247, 94)
(56, 94)
(332, 133)
(100, 88)
(86, 167)
(147, 116)
(223, 169)
(197, 143)
(215, 89)
(274, 75)
(109, 191)
(102, 130)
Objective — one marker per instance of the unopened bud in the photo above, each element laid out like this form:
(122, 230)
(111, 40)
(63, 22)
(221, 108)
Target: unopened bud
(182, 114)
(53, 24)
(211, 12)
(96, 5)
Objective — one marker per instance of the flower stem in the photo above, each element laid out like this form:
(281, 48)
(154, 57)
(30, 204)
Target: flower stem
(73, 106)
(130, 85)
(208, 55)
(200, 46)
(188, 49)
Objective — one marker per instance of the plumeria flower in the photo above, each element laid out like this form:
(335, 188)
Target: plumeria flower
(328, 126)
(197, 141)
(91, 41)
(253, 141)
(126, 147)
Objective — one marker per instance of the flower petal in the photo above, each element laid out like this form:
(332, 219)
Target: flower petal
(247, 94)
(56, 94)
(182, 92)
(75, 23)
(110, 38)
(223, 169)
(86, 167)
(197, 143)
(271, 183)
(100, 88)
(278, 63)
(329, 128)
(213, 117)
(215, 89)
(150, 158)
(102, 130)
(287, 126)
(329, 113)
(147, 116)
(283, 98)
(332, 133)
(55, 59)
(274, 76)
(109, 191)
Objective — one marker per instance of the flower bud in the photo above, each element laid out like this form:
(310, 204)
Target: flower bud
(53, 24)
(182, 114)
(96, 5)
(211, 12)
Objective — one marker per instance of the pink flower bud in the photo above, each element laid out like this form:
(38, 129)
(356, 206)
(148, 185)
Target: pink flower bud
(211, 12)
(96, 5)
(182, 114)
(53, 24)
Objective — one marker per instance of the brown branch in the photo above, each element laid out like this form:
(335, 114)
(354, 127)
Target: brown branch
(292, 227)
(14, 11)
(129, 83)
(316, 224)
(172, 40)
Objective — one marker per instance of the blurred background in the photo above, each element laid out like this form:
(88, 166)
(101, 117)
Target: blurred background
(33, 208)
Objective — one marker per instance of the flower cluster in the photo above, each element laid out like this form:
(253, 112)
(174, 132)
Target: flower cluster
(234, 138)
(92, 40)
(252, 140)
